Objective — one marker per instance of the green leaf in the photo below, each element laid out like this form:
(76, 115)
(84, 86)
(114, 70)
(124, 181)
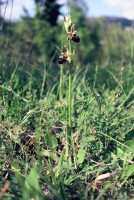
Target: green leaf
(81, 155)
(130, 143)
(129, 171)
(33, 178)
(49, 154)
(51, 141)
(120, 153)
(60, 163)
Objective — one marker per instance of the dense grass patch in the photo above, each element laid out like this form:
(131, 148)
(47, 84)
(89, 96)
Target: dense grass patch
(33, 126)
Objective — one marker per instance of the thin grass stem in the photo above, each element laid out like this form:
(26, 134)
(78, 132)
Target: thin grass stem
(61, 83)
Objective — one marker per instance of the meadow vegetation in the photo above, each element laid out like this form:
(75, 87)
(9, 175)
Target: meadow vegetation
(66, 131)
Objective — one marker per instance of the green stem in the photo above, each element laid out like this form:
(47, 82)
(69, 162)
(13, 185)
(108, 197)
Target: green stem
(68, 131)
(61, 83)
(70, 98)
(70, 90)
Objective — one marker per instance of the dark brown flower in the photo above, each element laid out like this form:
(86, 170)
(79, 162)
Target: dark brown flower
(62, 60)
(75, 38)
(72, 35)
(64, 57)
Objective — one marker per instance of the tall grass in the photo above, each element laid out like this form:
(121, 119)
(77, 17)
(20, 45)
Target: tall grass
(33, 138)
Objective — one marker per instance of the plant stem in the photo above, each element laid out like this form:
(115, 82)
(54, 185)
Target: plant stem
(70, 90)
(61, 83)
(68, 131)
(70, 98)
